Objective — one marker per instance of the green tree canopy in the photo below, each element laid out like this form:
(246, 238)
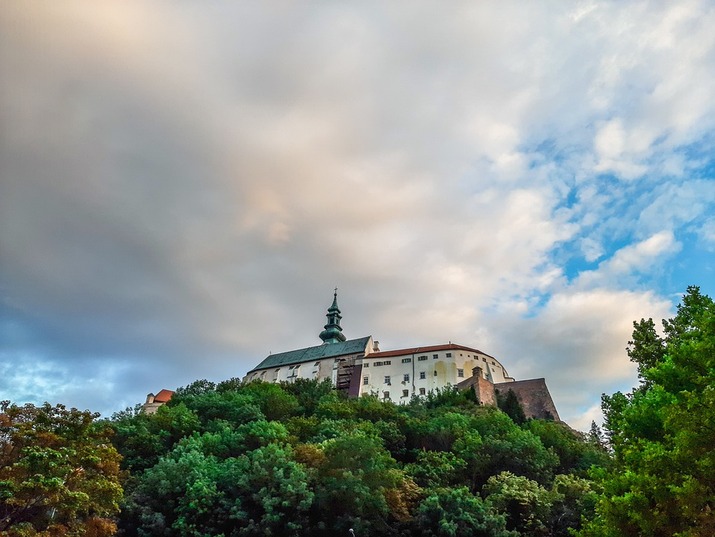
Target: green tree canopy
(458, 513)
(59, 473)
(663, 433)
(245, 459)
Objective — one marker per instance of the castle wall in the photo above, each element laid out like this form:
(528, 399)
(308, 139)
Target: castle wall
(534, 397)
(483, 389)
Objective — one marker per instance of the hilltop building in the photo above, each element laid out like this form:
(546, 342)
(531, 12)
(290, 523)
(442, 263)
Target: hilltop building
(358, 366)
(153, 402)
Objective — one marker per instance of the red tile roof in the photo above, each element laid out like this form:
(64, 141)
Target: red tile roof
(163, 396)
(423, 350)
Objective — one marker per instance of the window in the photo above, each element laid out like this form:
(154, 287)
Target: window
(365, 381)
(386, 362)
(422, 391)
(421, 358)
(423, 375)
(316, 364)
(435, 373)
(460, 372)
(386, 396)
(405, 393)
(406, 377)
(387, 379)
(366, 364)
(406, 360)
(276, 371)
(435, 356)
(449, 355)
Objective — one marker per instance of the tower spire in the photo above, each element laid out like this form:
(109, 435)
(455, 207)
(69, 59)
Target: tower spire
(333, 332)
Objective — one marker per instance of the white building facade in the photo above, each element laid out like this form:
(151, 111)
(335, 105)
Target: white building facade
(359, 367)
(399, 375)
(334, 361)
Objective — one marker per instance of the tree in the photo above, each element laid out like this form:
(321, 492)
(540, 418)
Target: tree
(595, 436)
(663, 433)
(357, 485)
(576, 451)
(574, 499)
(273, 400)
(646, 348)
(58, 472)
(526, 504)
(516, 450)
(439, 432)
(309, 391)
(142, 438)
(193, 492)
(510, 405)
(437, 469)
(458, 513)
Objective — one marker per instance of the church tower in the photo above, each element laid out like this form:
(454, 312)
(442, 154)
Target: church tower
(333, 332)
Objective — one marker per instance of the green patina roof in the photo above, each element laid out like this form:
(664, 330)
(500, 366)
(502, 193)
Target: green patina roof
(333, 332)
(312, 354)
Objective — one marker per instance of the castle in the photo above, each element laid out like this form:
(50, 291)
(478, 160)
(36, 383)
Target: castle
(358, 367)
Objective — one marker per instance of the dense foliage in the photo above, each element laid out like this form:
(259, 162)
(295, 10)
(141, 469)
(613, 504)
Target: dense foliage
(663, 433)
(300, 459)
(59, 473)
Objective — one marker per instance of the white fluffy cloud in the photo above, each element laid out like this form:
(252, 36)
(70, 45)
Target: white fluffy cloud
(577, 342)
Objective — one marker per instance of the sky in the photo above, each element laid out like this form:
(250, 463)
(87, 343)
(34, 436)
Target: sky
(183, 184)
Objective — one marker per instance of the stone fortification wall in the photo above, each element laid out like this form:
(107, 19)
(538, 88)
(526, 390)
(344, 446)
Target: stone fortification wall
(483, 389)
(534, 397)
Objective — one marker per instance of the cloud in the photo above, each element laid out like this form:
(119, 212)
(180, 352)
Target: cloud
(182, 186)
(627, 263)
(610, 145)
(707, 232)
(577, 342)
(678, 204)
(635, 257)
